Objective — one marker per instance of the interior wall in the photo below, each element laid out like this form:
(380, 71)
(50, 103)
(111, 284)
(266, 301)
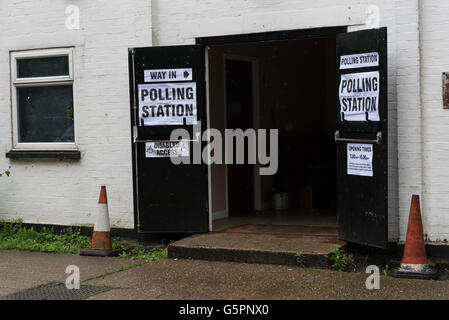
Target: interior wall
(217, 110)
(217, 120)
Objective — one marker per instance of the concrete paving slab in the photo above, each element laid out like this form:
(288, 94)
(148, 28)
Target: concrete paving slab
(194, 279)
(21, 270)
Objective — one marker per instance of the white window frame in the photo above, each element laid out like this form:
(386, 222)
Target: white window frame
(17, 82)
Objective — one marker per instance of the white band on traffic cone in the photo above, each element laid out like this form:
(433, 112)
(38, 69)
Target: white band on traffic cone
(414, 267)
(102, 223)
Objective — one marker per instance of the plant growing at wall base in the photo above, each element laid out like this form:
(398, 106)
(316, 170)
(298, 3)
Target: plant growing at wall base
(386, 270)
(15, 236)
(339, 259)
(300, 259)
(143, 254)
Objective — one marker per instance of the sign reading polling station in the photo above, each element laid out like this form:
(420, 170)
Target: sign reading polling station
(360, 159)
(167, 104)
(167, 149)
(359, 96)
(359, 60)
(166, 75)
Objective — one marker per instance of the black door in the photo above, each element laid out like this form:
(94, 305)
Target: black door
(167, 90)
(361, 137)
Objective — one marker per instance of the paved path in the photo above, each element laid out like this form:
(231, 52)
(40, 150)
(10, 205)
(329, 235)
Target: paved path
(193, 279)
(20, 270)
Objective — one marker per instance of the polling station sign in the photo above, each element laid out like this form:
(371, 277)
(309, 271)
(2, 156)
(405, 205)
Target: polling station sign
(359, 60)
(167, 104)
(167, 149)
(359, 96)
(360, 159)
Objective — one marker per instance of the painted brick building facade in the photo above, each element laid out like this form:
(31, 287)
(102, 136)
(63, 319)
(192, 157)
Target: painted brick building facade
(65, 192)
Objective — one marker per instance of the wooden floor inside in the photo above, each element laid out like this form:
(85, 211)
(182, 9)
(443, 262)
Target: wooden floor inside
(278, 222)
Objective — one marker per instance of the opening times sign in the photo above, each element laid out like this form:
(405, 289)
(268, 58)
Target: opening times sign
(360, 159)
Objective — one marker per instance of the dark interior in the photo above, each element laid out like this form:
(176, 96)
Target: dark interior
(297, 96)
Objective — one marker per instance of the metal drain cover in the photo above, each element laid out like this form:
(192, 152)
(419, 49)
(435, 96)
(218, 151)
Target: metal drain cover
(56, 291)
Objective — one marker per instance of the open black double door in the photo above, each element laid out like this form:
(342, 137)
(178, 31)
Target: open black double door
(171, 198)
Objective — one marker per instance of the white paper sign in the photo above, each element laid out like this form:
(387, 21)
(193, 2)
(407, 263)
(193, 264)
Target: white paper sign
(167, 104)
(166, 75)
(166, 149)
(360, 159)
(359, 94)
(359, 60)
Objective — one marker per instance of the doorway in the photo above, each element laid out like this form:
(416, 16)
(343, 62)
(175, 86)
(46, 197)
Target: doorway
(287, 85)
(294, 92)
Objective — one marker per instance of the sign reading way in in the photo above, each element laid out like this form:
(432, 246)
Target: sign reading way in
(360, 159)
(359, 95)
(165, 75)
(360, 60)
(167, 104)
(166, 149)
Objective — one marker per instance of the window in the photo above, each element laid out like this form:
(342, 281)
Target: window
(42, 100)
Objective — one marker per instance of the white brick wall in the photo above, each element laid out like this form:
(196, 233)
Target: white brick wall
(66, 192)
(435, 120)
(408, 107)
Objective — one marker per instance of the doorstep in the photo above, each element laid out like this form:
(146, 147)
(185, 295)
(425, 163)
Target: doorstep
(266, 244)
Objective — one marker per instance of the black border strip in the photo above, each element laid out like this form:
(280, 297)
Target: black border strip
(13, 154)
(271, 35)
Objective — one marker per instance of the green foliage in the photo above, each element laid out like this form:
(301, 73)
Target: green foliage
(15, 236)
(116, 245)
(143, 254)
(386, 270)
(340, 260)
(6, 172)
(69, 112)
(300, 259)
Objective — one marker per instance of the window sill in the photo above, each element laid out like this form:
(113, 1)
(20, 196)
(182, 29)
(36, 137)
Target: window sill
(16, 154)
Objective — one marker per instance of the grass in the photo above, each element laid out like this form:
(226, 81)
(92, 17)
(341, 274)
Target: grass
(146, 255)
(15, 236)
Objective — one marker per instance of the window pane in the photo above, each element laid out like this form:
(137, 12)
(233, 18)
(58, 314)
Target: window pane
(45, 114)
(43, 67)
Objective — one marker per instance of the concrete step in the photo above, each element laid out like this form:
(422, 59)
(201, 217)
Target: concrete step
(256, 247)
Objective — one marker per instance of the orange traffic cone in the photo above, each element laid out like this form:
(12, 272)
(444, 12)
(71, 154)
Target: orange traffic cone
(414, 262)
(101, 238)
